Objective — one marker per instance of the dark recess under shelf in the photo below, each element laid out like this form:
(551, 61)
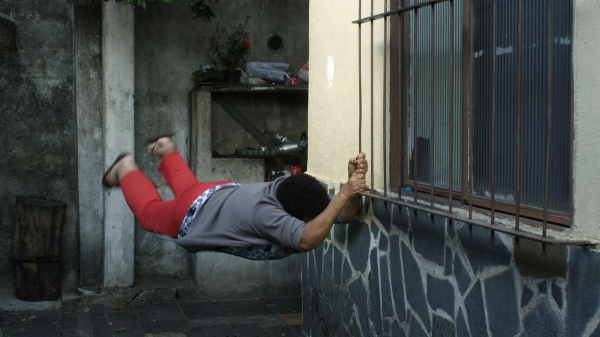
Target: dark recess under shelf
(253, 88)
(279, 156)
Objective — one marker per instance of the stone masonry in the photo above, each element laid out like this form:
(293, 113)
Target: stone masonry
(397, 273)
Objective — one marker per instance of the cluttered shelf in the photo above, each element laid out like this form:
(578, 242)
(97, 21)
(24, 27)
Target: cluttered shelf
(253, 88)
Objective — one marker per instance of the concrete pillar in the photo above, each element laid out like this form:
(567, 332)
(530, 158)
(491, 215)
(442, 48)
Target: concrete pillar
(118, 90)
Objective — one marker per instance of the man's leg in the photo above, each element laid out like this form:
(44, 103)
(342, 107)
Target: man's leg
(179, 177)
(174, 170)
(143, 199)
(153, 214)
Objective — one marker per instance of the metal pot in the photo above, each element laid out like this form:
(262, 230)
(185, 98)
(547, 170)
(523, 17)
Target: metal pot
(289, 148)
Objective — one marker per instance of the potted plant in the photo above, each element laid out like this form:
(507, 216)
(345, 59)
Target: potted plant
(228, 46)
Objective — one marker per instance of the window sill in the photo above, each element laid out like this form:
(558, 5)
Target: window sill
(461, 214)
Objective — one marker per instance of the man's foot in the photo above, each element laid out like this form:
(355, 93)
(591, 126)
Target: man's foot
(112, 177)
(161, 145)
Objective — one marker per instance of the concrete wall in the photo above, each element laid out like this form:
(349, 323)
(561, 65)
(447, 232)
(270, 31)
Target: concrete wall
(169, 46)
(391, 273)
(38, 128)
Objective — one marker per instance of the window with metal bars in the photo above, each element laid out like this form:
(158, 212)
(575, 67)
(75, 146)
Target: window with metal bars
(482, 97)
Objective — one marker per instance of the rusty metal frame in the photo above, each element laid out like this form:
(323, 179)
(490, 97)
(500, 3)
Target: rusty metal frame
(400, 46)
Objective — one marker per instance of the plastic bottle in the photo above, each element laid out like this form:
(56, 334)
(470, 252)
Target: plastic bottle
(303, 143)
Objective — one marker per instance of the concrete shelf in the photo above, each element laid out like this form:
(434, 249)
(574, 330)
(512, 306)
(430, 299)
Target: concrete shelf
(254, 89)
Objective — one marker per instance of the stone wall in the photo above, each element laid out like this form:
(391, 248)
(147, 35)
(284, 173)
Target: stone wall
(391, 274)
(37, 126)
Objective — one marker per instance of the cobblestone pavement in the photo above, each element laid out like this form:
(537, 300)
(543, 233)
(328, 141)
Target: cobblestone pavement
(234, 318)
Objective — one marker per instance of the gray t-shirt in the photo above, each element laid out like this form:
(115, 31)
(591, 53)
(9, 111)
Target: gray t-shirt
(243, 216)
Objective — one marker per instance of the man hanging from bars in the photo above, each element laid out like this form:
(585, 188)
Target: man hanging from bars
(259, 221)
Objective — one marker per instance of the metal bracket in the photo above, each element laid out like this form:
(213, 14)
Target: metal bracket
(244, 122)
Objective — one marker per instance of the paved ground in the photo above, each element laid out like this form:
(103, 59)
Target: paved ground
(182, 318)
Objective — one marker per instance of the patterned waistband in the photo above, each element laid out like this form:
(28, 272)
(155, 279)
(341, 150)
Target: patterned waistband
(196, 205)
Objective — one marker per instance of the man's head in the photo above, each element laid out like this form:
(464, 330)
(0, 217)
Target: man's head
(302, 196)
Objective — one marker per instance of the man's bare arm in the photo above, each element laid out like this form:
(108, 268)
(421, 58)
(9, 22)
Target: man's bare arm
(347, 201)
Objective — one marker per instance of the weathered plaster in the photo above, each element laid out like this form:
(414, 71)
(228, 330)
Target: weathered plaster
(37, 127)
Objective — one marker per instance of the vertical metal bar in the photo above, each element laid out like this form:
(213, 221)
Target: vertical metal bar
(548, 122)
(572, 120)
(494, 97)
(519, 116)
(402, 112)
(394, 138)
(471, 111)
(372, 154)
(385, 51)
(359, 78)
(432, 111)
(403, 92)
(465, 84)
(451, 115)
(415, 102)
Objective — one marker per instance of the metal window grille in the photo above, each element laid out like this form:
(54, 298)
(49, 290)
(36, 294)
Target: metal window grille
(480, 106)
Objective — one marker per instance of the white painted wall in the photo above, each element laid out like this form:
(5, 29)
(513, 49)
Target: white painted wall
(586, 48)
(334, 100)
(334, 91)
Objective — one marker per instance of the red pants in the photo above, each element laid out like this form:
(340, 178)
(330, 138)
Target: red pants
(148, 207)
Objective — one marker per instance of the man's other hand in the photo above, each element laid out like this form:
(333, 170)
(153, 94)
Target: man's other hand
(358, 164)
(357, 170)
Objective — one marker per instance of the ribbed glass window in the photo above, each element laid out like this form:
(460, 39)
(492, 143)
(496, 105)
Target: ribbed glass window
(429, 92)
(425, 98)
(534, 107)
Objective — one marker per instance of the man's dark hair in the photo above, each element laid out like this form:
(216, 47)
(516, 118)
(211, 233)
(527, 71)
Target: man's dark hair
(302, 196)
